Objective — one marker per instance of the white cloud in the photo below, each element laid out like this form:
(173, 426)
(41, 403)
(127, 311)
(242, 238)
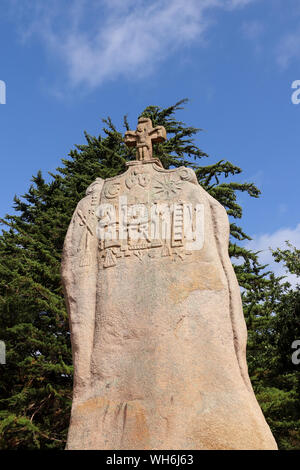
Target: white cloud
(238, 3)
(288, 49)
(264, 242)
(252, 29)
(99, 40)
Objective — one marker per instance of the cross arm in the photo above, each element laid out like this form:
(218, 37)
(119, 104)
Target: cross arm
(158, 134)
(130, 138)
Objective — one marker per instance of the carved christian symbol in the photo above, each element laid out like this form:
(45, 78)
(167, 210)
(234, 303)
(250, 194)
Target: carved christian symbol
(166, 251)
(110, 259)
(137, 177)
(186, 174)
(84, 222)
(112, 190)
(167, 187)
(143, 138)
(84, 248)
(94, 200)
(177, 234)
(93, 192)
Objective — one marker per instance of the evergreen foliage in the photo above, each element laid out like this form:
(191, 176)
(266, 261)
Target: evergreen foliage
(273, 319)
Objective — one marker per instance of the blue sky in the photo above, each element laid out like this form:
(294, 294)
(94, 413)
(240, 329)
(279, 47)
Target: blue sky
(68, 64)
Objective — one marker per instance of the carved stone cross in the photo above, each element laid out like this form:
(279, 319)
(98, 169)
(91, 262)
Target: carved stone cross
(143, 137)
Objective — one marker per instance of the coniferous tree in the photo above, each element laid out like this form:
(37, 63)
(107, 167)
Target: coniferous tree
(272, 311)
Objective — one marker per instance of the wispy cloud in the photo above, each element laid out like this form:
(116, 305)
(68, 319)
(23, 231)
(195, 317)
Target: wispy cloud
(252, 29)
(264, 242)
(100, 40)
(238, 3)
(288, 48)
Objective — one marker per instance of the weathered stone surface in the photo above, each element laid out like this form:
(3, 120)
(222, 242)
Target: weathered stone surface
(157, 327)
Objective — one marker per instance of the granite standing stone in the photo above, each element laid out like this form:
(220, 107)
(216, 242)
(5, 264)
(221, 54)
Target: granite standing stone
(157, 327)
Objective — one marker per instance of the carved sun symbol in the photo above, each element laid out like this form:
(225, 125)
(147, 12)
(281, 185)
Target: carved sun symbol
(167, 188)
